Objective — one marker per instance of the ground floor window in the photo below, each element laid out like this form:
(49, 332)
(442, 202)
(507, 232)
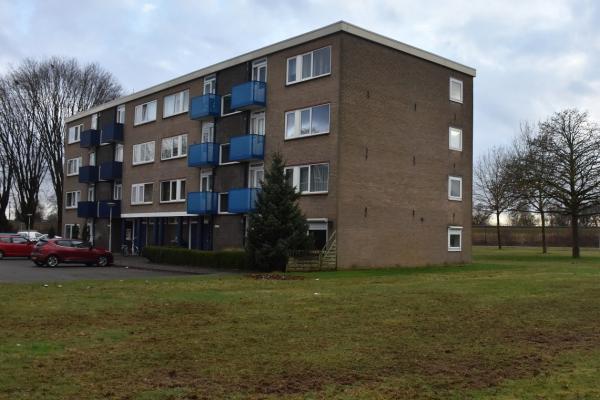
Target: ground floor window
(455, 238)
(71, 231)
(223, 203)
(317, 231)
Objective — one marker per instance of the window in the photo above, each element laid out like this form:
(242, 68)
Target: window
(455, 238)
(206, 182)
(172, 191)
(118, 191)
(454, 188)
(256, 174)
(208, 132)
(75, 134)
(19, 240)
(72, 199)
(119, 152)
(224, 154)
(307, 122)
(309, 178)
(91, 193)
(94, 123)
(145, 113)
(71, 232)
(73, 166)
(210, 85)
(121, 114)
(456, 90)
(257, 123)
(317, 232)
(259, 70)
(455, 139)
(93, 158)
(176, 103)
(226, 106)
(141, 193)
(143, 153)
(223, 206)
(174, 147)
(309, 66)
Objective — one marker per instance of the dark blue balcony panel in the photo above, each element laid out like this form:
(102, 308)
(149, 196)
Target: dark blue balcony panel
(206, 106)
(88, 174)
(89, 138)
(202, 203)
(104, 208)
(111, 170)
(249, 95)
(111, 133)
(87, 209)
(203, 154)
(247, 147)
(242, 201)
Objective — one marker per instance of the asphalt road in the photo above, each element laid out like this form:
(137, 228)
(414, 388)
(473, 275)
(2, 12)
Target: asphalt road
(20, 270)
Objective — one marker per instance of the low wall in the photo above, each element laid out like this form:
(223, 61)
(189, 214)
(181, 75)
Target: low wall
(532, 236)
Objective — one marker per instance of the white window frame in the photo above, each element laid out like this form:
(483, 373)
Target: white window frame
(119, 149)
(139, 110)
(456, 99)
(75, 195)
(207, 132)
(221, 155)
(455, 230)
(450, 131)
(223, 106)
(257, 65)
(298, 122)
(219, 203)
(120, 117)
(299, 67)
(208, 175)
(94, 122)
(118, 191)
(181, 99)
(296, 178)
(143, 186)
(91, 193)
(69, 230)
(254, 118)
(252, 170)
(454, 178)
(92, 158)
(178, 198)
(210, 83)
(180, 149)
(152, 145)
(78, 161)
(74, 135)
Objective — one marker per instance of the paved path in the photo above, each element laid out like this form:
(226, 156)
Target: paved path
(137, 262)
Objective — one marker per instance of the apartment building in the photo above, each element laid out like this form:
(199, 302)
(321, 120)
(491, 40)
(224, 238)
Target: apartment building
(377, 137)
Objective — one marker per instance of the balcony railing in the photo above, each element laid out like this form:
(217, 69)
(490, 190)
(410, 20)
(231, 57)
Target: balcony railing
(104, 208)
(249, 95)
(111, 133)
(89, 138)
(247, 147)
(208, 105)
(111, 170)
(242, 201)
(87, 209)
(88, 174)
(202, 203)
(203, 154)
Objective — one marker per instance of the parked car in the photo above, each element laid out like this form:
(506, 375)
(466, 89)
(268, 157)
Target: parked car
(14, 245)
(32, 236)
(52, 252)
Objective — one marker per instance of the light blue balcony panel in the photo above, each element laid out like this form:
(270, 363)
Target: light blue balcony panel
(247, 147)
(249, 95)
(202, 203)
(203, 154)
(242, 201)
(206, 106)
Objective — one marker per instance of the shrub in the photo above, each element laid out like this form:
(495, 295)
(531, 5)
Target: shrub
(196, 258)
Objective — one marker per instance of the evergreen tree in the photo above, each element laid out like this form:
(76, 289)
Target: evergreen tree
(277, 226)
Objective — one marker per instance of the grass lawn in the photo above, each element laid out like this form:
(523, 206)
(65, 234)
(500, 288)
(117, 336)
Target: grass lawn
(513, 325)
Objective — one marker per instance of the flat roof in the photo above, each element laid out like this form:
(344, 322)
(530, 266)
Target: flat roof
(340, 26)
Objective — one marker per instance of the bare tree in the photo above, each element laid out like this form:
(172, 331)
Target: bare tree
(6, 176)
(481, 215)
(492, 184)
(57, 88)
(573, 143)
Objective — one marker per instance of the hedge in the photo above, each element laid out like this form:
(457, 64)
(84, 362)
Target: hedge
(196, 258)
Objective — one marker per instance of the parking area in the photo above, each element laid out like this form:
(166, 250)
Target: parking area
(21, 270)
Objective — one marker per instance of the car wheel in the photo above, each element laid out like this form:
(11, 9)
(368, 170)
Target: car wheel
(102, 261)
(52, 261)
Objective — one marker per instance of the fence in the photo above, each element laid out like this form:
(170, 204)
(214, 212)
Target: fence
(532, 236)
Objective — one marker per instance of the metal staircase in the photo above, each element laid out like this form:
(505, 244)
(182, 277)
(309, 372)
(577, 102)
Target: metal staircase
(324, 260)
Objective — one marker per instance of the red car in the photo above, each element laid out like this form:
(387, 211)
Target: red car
(52, 252)
(15, 246)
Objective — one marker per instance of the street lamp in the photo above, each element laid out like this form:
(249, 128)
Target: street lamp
(110, 205)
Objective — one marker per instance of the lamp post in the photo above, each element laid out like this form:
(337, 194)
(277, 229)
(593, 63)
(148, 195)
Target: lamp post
(29, 225)
(110, 205)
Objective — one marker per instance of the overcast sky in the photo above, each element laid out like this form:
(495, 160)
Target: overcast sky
(532, 57)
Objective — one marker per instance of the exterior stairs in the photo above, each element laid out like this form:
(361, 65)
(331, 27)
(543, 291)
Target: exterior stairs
(324, 260)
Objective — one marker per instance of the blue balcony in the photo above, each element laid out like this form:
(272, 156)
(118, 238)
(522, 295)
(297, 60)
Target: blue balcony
(87, 209)
(202, 203)
(88, 174)
(242, 201)
(206, 106)
(104, 209)
(249, 95)
(109, 171)
(89, 138)
(111, 133)
(203, 154)
(247, 147)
